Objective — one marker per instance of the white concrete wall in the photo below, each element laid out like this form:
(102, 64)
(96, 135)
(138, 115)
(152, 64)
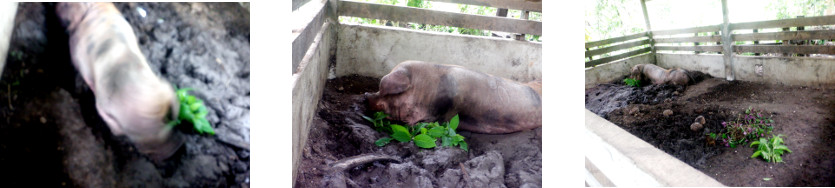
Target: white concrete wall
(711, 64)
(608, 72)
(373, 51)
(782, 70)
(308, 85)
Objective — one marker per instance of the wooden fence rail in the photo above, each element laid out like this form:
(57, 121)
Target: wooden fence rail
(434, 17)
(529, 5)
(616, 47)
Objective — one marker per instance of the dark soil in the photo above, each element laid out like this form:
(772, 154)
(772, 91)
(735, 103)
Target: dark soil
(803, 114)
(51, 135)
(338, 132)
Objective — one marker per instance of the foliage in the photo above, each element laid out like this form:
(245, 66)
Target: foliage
(424, 134)
(784, 9)
(193, 111)
(770, 149)
(631, 82)
(750, 126)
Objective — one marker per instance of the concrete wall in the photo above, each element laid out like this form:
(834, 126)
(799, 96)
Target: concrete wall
(374, 51)
(782, 70)
(308, 85)
(609, 72)
(8, 10)
(712, 64)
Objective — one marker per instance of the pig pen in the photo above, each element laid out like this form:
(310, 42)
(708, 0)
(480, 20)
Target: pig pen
(343, 61)
(52, 136)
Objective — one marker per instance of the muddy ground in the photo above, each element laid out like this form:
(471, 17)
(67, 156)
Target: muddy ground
(339, 132)
(805, 115)
(51, 135)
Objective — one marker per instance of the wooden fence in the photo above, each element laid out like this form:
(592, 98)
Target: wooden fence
(792, 40)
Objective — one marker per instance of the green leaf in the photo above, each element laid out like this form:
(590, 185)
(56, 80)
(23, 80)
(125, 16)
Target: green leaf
(758, 153)
(369, 119)
(446, 141)
(424, 141)
(463, 146)
(458, 138)
(453, 123)
(196, 105)
(436, 132)
(191, 99)
(766, 179)
(400, 133)
(383, 141)
(422, 130)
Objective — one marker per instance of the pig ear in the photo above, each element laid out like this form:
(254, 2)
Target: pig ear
(395, 82)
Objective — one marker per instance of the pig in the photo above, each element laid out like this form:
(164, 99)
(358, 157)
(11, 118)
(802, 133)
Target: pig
(130, 98)
(416, 91)
(658, 75)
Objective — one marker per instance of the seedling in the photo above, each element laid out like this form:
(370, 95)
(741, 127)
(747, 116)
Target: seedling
(424, 134)
(770, 149)
(750, 126)
(192, 110)
(632, 82)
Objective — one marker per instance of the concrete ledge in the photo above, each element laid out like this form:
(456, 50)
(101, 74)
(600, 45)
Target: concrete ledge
(608, 72)
(374, 50)
(627, 160)
(8, 10)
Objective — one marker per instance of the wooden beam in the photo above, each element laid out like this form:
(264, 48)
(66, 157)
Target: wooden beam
(802, 49)
(434, 17)
(726, 43)
(795, 22)
(616, 47)
(703, 48)
(617, 57)
(531, 5)
(702, 29)
(614, 40)
(689, 39)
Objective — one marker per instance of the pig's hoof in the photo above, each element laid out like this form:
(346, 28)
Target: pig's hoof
(701, 120)
(667, 112)
(696, 126)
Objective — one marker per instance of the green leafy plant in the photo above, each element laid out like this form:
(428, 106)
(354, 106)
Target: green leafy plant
(192, 110)
(747, 127)
(631, 82)
(771, 150)
(425, 135)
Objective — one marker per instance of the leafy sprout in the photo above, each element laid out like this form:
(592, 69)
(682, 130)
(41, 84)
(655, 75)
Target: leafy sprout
(193, 111)
(425, 135)
(771, 150)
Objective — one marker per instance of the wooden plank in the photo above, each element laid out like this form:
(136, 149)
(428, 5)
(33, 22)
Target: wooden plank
(620, 56)
(703, 48)
(434, 17)
(616, 47)
(787, 35)
(710, 28)
(802, 49)
(795, 22)
(531, 5)
(616, 39)
(689, 39)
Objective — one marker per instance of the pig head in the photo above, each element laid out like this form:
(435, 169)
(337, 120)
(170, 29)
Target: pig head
(417, 91)
(130, 98)
(658, 75)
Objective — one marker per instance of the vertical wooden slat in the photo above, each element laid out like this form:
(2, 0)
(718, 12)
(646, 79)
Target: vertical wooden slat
(801, 28)
(649, 30)
(696, 43)
(756, 42)
(786, 42)
(726, 39)
(718, 42)
(521, 36)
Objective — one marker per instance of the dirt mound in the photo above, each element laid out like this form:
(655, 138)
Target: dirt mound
(605, 98)
(339, 132)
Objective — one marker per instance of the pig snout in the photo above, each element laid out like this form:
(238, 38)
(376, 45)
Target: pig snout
(374, 102)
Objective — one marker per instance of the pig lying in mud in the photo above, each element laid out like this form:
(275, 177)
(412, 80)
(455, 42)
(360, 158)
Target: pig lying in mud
(130, 98)
(658, 75)
(417, 91)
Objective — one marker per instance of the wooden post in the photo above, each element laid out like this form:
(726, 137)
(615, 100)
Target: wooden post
(696, 43)
(649, 31)
(715, 33)
(590, 57)
(521, 36)
(502, 12)
(801, 28)
(756, 42)
(786, 43)
(726, 40)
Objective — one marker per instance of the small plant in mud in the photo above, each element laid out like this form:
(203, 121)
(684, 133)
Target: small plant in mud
(770, 149)
(747, 127)
(632, 82)
(425, 135)
(192, 110)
